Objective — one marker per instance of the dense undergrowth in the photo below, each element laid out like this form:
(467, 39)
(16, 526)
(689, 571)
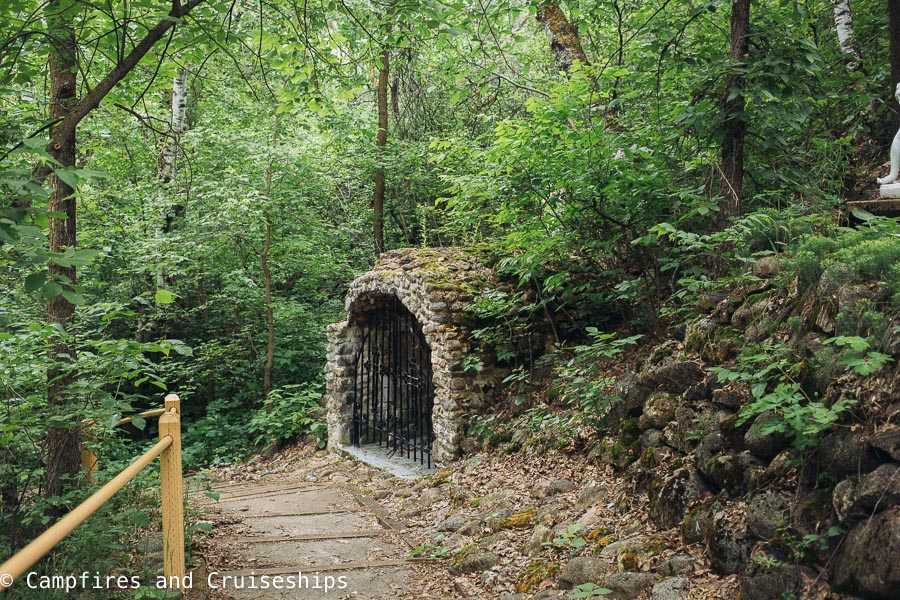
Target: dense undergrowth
(808, 262)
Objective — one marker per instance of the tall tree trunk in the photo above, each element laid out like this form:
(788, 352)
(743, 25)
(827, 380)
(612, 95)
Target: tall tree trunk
(170, 208)
(563, 36)
(381, 141)
(843, 23)
(63, 443)
(267, 278)
(735, 127)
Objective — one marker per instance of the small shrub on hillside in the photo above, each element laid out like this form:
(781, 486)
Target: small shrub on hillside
(295, 411)
(581, 381)
(870, 251)
(776, 374)
(218, 437)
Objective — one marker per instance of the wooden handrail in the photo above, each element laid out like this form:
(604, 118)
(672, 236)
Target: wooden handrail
(147, 413)
(168, 448)
(89, 457)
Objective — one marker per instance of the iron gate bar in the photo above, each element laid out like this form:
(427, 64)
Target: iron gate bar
(393, 390)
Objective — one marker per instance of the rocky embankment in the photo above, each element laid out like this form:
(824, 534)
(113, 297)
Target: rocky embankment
(683, 498)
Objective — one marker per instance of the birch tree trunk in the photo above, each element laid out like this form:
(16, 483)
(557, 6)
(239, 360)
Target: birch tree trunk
(731, 176)
(843, 22)
(167, 172)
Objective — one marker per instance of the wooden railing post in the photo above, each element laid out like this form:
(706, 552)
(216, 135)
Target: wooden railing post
(172, 401)
(172, 495)
(88, 456)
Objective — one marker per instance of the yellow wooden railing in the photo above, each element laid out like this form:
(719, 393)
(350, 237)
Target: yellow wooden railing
(168, 449)
(89, 457)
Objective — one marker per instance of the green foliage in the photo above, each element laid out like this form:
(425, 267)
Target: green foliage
(472, 363)
(502, 320)
(858, 355)
(694, 261)
(570, 538)
(483, 428)
(429, 551)
(218, 437)
(806, 548)
(581, 382)
(589, 590)
(869, 251)
(593, 193)
(103, 544)
(774, 374)
(295, 410)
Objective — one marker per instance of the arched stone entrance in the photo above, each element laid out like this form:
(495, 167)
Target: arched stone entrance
(393, 389)
(377, 388)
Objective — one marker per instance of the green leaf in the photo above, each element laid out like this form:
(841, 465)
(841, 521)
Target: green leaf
(212, 495)
(35, 281)
(164, 297)
(863, 215)
(139, 518)
(73, 297)
(52, 290)
(81, 258)
(139, 422)
(68, 176)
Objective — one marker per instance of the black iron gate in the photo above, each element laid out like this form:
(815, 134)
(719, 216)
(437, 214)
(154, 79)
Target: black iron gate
(394, 393)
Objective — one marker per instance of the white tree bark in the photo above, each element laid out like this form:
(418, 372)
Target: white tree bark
(168, 162)
(843, 22)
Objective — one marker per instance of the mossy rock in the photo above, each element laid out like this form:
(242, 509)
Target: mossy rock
(603, 543)
(692, 526)
(535, 572)
(518, 520)
(648, 458)
(461, 553)
(440, 478)
(596, 534)
(693, 342)
(730, 472)
(629, 432)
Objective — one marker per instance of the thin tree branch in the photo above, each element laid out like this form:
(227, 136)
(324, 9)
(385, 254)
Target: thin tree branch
(93, 98)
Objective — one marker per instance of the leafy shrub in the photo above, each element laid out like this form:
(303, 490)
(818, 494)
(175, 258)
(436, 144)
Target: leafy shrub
(295, 411)
(870, 251)
(581, 382)
(774, 374)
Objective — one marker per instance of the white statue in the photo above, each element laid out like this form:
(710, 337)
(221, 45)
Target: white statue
(895, 153)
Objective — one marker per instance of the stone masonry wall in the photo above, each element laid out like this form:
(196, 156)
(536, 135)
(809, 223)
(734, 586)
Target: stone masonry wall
(435, 285)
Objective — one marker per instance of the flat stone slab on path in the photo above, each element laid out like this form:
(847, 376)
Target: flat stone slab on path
(371, 583)
(290, 501)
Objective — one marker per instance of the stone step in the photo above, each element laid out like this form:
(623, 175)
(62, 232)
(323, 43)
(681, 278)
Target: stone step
(308, 537)
(379, 580)
(323, 554)
(885, 207)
